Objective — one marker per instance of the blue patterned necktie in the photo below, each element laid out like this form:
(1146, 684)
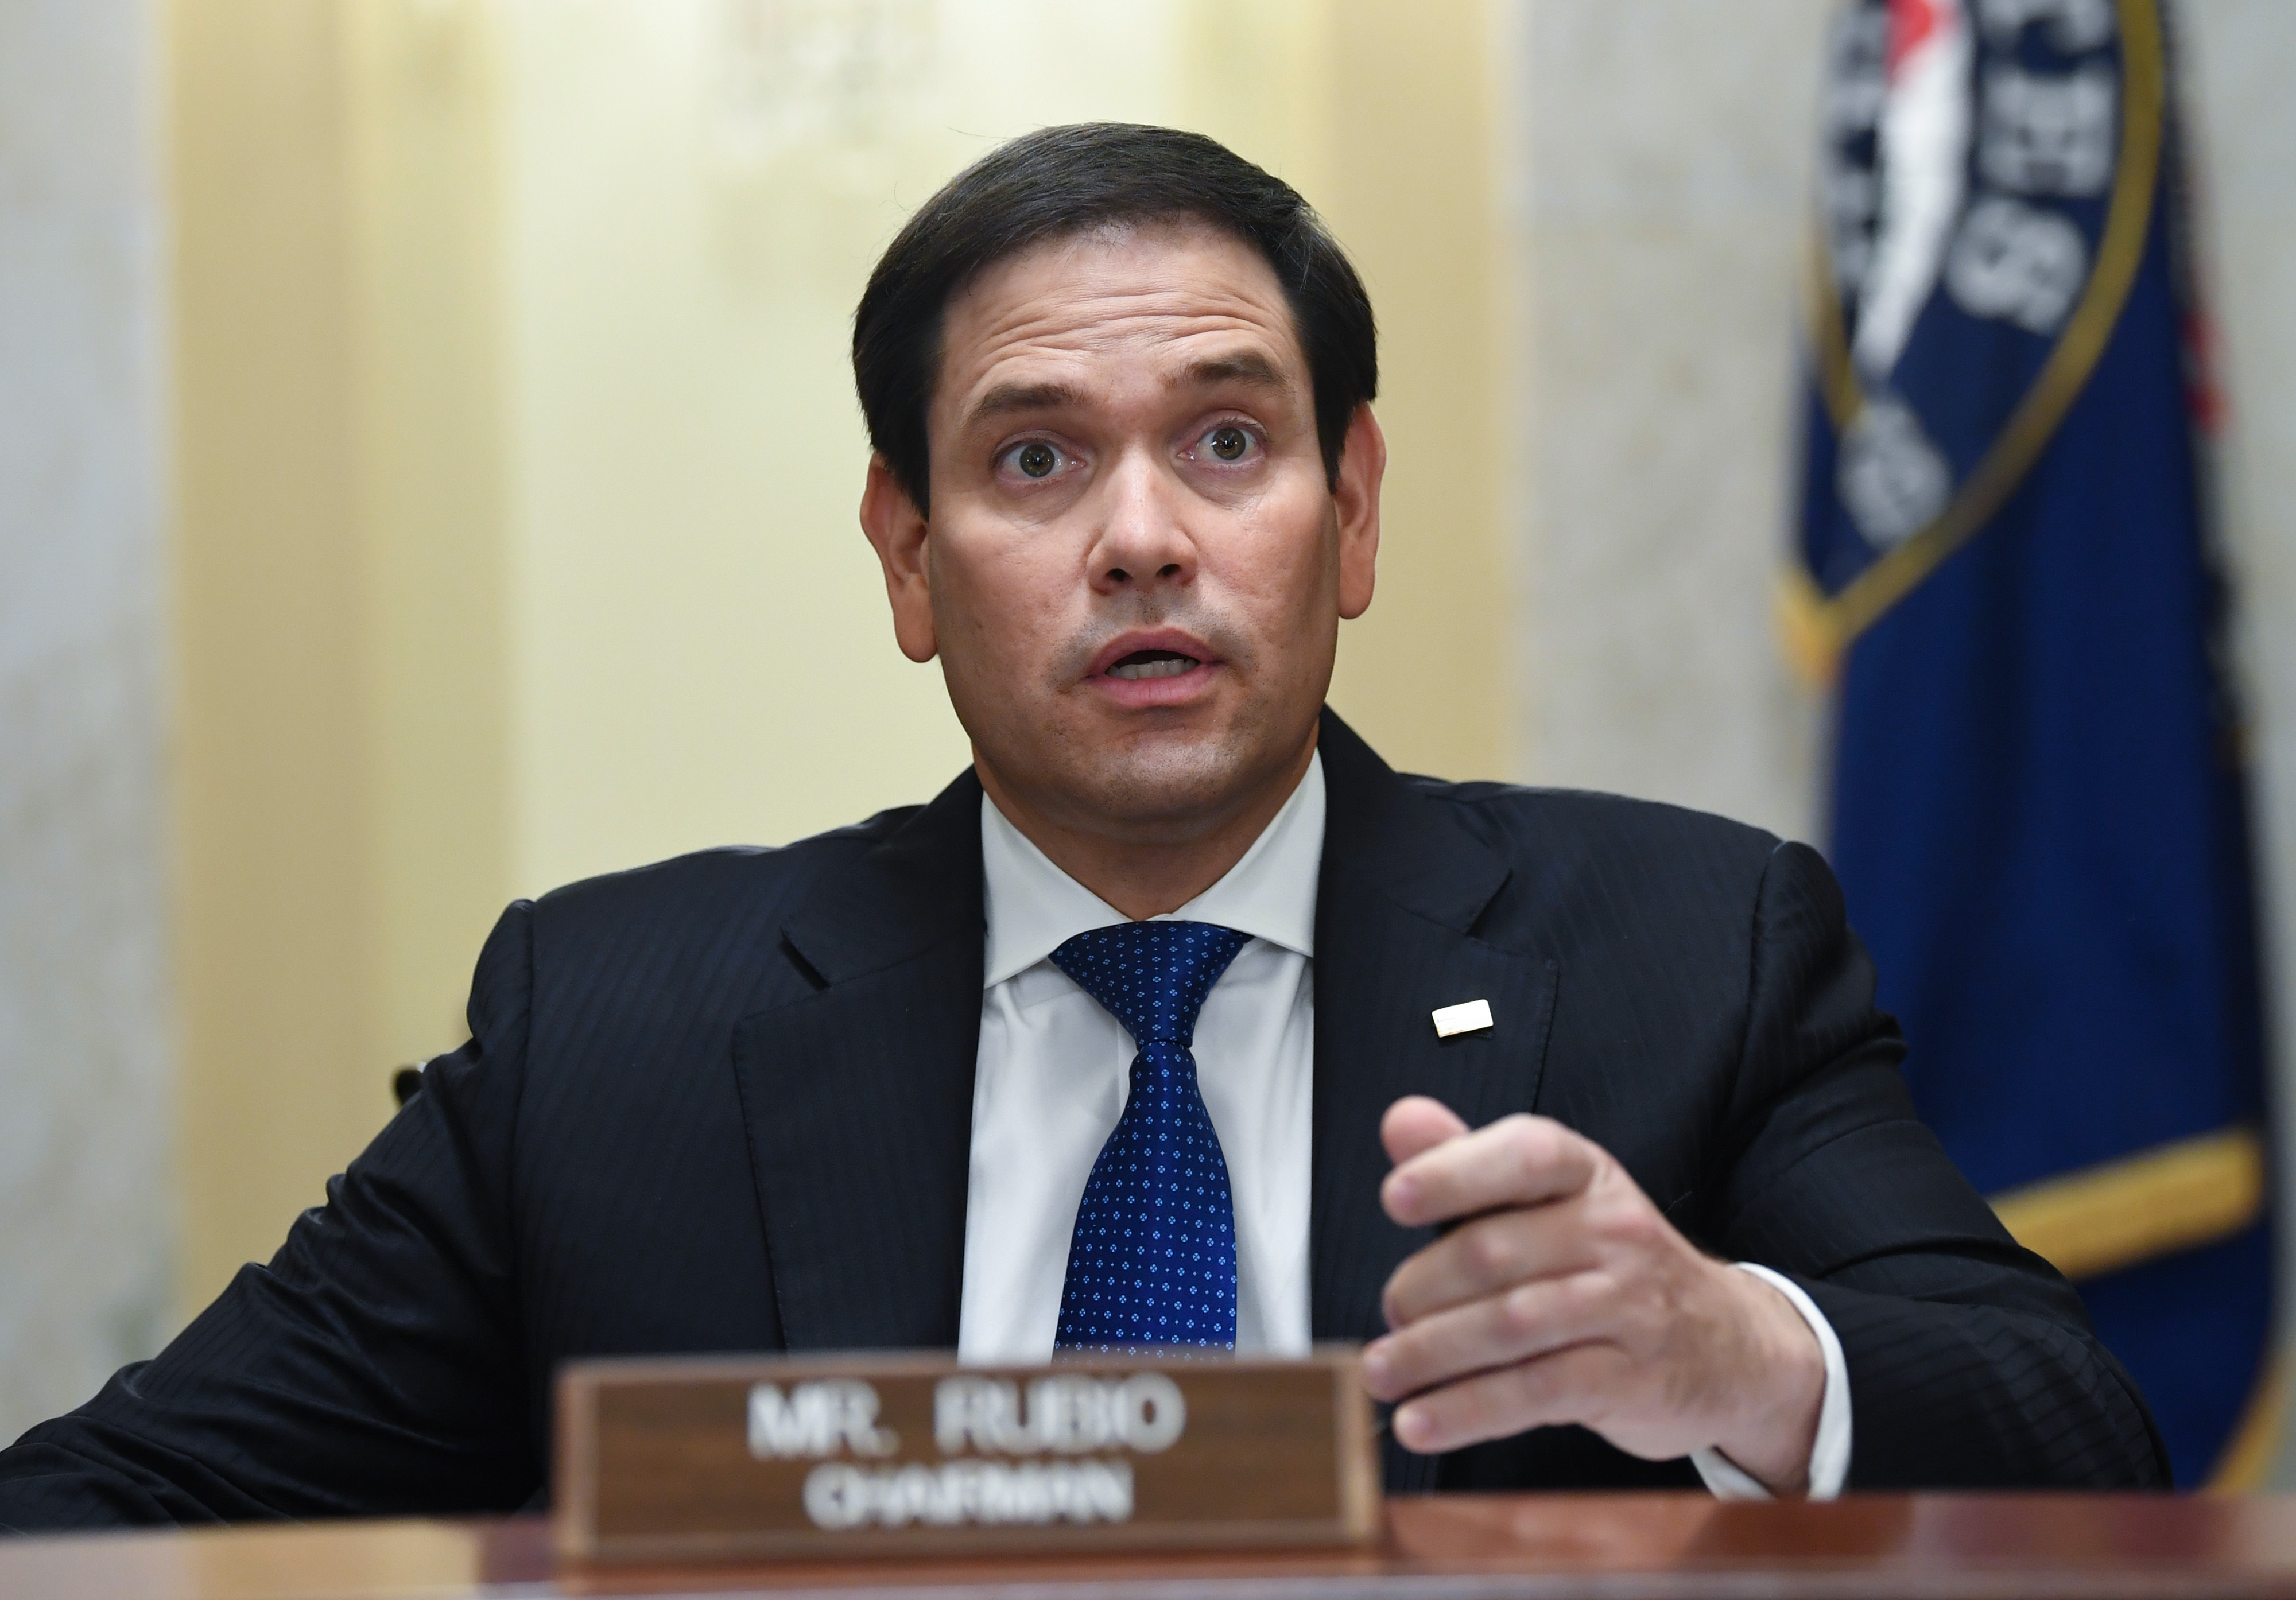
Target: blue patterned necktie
(1153, 1260)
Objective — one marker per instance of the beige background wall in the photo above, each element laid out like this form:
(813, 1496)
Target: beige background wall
(274, 920)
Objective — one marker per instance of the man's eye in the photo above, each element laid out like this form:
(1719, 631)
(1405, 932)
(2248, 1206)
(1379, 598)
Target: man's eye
(1228, 443)
(1036, 460)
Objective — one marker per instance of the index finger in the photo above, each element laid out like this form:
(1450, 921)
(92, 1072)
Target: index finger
(1517, 1160)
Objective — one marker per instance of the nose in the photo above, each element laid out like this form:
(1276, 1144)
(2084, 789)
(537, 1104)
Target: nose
(1141, 543)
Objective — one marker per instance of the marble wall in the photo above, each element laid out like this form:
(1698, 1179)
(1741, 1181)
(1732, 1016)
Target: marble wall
(85, 1143)
(1659, 211)
(2239, 64)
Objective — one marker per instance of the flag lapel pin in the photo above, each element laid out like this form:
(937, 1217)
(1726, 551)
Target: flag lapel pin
(1471, 1016)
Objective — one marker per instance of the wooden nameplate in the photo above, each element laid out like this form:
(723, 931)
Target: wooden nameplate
(706, 1458)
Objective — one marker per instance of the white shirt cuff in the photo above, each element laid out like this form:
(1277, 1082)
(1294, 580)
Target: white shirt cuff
(1829, 1455)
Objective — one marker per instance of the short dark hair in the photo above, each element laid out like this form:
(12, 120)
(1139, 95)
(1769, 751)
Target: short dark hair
(1059, 181)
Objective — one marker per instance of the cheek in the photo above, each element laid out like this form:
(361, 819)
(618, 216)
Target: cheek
(1005, 597)
(1285, 562)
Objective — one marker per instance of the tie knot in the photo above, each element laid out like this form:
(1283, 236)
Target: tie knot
(1152, 977)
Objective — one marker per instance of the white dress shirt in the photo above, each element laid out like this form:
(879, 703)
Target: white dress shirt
(1054, 1068)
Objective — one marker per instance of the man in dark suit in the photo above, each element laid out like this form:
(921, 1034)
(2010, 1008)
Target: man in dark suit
(1576, 1109)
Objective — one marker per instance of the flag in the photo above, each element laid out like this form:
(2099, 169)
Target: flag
(2037, 803)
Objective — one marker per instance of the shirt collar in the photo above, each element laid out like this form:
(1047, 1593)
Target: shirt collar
(1034, 907)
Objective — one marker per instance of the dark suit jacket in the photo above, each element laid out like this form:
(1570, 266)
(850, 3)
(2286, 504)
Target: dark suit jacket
(724, 1104)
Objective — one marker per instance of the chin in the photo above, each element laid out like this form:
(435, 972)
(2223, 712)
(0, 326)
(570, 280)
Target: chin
(1170, 788)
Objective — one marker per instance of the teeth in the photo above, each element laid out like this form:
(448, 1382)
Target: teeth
(1172, 667)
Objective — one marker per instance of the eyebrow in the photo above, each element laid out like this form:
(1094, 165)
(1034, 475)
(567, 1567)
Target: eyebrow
(1245, 366)
(1008, 397)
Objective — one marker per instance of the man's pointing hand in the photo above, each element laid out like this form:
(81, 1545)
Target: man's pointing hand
(1562, 1295)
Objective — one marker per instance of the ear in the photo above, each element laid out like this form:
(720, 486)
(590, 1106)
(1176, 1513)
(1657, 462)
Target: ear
(896, 531)
(1363, 466)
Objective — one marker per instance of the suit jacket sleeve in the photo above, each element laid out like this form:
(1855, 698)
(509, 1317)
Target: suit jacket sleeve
(371, 1368)
(1971, 1362)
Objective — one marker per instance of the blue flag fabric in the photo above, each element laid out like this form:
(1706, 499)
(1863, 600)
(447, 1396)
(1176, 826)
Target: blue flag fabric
(2038, 804)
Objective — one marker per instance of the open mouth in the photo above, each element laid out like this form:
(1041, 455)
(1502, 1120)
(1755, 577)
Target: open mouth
(1153, 663)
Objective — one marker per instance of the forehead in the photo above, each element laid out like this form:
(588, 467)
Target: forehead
(1101, 308)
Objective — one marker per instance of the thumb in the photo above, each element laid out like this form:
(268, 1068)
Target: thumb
(1415, 1124)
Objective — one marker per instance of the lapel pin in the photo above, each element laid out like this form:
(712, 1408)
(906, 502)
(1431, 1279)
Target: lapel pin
(1471, 1017)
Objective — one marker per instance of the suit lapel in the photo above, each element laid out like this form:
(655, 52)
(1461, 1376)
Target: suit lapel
(1402, 887)
(858, 1096)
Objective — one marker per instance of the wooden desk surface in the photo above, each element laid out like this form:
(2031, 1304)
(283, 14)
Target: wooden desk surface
(1615, 1547)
